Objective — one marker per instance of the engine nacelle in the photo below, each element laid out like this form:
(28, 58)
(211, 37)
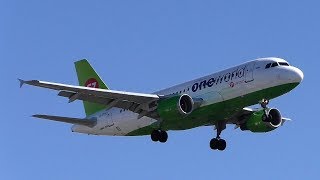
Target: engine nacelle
(175, 107)
(262, 121)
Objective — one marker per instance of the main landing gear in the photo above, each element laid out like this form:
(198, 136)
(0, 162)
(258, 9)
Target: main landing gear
(159, 135)
(218, 143)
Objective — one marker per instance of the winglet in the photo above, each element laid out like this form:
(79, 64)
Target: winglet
(285, 120)
(22, 82)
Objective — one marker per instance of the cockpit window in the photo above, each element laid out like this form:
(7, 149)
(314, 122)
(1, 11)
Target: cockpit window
(283, 64)
(268, 65)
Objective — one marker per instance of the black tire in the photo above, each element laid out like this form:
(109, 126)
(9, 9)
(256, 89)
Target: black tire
(214, 144)
(155, 135)
(163, 136)
(222, 144)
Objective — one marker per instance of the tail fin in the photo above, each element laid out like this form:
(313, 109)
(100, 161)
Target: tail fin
(88, 77)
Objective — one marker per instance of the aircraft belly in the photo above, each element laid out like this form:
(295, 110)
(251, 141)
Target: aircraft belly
(126, 124)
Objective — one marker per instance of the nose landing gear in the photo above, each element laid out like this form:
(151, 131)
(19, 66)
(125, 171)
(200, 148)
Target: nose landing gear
(264, 103)
(266, 116)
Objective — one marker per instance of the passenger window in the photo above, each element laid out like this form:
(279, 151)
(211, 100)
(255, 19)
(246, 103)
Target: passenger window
(274, 64)
(267, 66)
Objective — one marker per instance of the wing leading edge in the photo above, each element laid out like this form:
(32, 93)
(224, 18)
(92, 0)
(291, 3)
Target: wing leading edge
(136, 102)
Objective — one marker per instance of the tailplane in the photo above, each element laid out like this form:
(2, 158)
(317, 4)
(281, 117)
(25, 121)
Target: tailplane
(88, 77)
(84, 122)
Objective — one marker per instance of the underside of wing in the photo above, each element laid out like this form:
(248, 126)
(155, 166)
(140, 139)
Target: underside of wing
(136, 102)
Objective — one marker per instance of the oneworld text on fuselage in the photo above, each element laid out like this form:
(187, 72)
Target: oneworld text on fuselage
(227, 77)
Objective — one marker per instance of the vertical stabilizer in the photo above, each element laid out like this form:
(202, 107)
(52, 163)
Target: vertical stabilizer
(88, 77)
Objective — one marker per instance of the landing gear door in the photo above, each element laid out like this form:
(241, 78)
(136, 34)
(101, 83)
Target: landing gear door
(249, 72)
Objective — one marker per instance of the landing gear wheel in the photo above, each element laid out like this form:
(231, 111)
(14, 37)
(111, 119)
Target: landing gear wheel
(155, 135)
(265, 117)
(218, 144)
(163, 136)
(214, 144)
(222, 144)
(160, 136)
(264, 103)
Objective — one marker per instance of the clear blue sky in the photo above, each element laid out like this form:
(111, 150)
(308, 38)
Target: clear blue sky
(143, 46)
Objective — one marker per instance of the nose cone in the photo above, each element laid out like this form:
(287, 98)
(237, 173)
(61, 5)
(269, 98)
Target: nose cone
(291, 75)
(298, 75)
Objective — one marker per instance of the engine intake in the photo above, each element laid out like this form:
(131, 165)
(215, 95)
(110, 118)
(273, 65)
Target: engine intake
(274, 117)
(185, 104)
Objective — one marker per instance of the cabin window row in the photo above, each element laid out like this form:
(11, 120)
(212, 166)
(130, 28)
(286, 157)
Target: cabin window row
(182, 91)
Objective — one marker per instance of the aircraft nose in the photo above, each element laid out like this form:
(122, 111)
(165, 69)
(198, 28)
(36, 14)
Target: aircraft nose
(292, 75)
(298, 75)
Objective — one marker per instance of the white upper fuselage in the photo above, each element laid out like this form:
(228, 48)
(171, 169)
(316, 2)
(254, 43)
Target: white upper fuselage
(221, 86)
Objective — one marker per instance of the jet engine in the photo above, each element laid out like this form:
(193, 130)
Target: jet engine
(176, 107)
(263, 121)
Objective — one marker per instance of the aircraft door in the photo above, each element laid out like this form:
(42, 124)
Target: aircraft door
(249, 72)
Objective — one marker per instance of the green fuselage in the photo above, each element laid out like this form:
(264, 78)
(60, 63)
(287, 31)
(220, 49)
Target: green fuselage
(219, 111)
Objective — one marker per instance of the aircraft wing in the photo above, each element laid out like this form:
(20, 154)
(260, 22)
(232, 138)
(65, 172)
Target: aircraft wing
(136, 102)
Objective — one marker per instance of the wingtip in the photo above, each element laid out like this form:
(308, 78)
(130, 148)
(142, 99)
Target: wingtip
(36, 116)
(286, 119)
(22, 82)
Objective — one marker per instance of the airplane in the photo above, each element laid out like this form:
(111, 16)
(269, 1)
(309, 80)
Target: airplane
(216, 100)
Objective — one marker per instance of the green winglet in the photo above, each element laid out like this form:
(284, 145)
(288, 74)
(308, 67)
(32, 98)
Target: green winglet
(88, 77)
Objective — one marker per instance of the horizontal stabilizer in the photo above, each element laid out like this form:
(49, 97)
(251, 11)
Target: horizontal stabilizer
(85, 122)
